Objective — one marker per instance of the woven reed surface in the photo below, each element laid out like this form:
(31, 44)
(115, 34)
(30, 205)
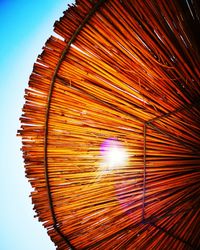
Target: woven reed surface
(131, 73)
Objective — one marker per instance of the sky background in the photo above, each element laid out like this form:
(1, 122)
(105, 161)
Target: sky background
(25, 27)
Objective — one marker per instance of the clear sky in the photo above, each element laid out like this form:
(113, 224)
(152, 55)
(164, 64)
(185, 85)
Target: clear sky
(25, 26)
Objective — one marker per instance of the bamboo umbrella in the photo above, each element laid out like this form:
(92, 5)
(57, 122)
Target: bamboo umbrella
(123, 75)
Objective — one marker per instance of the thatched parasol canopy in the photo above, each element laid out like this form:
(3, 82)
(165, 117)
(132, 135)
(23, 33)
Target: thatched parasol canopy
(110, 126)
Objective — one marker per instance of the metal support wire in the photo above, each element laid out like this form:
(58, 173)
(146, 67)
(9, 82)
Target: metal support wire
(184, 107)
(175, 138)
(171, 234)
(149, 123)
(187, 107)
(46, 127)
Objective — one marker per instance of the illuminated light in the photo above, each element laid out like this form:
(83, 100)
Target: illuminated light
(113, 153)
(115, 157)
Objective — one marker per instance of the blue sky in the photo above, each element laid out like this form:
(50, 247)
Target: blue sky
(25, 26)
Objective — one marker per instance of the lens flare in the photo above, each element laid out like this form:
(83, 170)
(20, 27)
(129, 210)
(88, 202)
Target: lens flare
(113, 153)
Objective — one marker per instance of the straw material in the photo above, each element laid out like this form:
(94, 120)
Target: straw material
(128, 71)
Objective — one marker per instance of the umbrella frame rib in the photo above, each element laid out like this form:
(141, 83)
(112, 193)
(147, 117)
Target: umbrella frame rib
(171, 234)
(185, 107)
(149, 123)
(65, 51)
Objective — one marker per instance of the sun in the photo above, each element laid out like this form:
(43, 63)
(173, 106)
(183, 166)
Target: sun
(114, 155)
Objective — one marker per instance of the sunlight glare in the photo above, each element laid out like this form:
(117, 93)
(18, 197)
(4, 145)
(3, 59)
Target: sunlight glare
(114, 154)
